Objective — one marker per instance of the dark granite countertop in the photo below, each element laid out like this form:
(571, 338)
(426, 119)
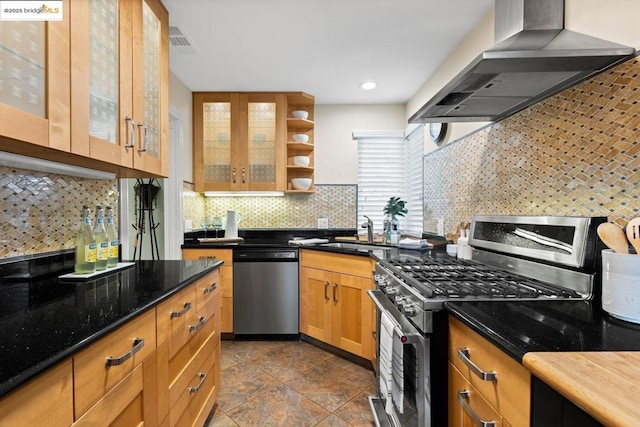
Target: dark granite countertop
(538, 326)
(44, 320)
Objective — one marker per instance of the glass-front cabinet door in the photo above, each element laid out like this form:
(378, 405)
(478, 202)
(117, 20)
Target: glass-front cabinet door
(34, 82)
(150, 85)
(262, 141)
(238, 141)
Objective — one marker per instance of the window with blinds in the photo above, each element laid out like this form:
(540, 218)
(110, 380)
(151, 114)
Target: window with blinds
(390, 165)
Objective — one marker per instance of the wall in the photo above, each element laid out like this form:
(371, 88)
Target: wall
(338, 203)
(336, 153)
(577, 153)
(180, 98)
(41, 211)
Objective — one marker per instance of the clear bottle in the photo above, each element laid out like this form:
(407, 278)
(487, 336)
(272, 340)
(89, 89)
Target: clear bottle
(112, 237)
(85, 245)
(102, 243)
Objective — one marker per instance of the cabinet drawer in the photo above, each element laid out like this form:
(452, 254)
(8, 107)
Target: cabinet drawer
(510, 393)
(207, 288)
(461, 389)
(194, 383)
(354, 265)
(121, 406)
(93, 378)
(174, 314)
(33, 404)
(225, 255)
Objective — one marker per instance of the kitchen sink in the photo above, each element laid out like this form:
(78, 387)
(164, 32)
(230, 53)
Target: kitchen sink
(355, 246)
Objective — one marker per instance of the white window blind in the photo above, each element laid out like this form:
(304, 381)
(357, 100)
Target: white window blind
(385, 170)
(415, 181)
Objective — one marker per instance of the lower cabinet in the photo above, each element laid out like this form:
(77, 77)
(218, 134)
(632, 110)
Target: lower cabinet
(474, 395)
(159, 369)
(226, 281)
(44, 401)
(334, 305)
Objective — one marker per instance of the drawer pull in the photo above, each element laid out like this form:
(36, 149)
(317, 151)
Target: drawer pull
(203, 376)
(210, 289)
(187, 307)
(138, 343)
(207, 257)
(463, 399)
(465, 356)
(201, 322)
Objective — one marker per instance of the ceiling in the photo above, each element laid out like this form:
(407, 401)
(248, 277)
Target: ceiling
(322, 47)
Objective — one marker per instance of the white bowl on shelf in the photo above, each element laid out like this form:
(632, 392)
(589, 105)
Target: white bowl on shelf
(301, 183)
(300, 114)
(301, 137)
(301, 160)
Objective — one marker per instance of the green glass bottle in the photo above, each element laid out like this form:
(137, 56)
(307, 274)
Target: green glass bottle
(102, 243)
(85, 245)
(112, 237)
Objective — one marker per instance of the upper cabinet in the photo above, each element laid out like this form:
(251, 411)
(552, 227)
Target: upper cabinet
(239, 141)
(244, 141)
(120, 84)
(34, 84)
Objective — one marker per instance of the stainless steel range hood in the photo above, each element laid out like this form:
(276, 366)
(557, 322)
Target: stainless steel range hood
(534, 59)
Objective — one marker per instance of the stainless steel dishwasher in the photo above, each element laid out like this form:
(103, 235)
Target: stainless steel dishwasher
(265, 291)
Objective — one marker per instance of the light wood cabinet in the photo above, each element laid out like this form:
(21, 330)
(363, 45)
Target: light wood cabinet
(226, 281)
(298, 126)
(238, 141)
(123, 350)
(508, 395)
(35, 86)
(120, 84)
(46, 400)
(188, 369)
(334, 305)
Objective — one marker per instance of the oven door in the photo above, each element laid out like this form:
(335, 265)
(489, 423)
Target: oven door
(415, 373)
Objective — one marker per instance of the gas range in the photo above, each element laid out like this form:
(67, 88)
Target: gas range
(524, 258)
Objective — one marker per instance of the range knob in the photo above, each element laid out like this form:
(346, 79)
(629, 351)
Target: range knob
(409, 308)
(381, 281)
(399, 300)
(391, 290)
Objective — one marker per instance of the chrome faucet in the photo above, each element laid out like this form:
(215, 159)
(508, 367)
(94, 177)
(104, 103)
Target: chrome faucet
(369, 226)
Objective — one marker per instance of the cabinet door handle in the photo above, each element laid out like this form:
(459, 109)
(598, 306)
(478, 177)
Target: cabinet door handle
(463, 399)
(465, 356)
(200, 324)
(138, 343)
(130, 139)
(203, 376)
(142, 127)
(233, 175)
(187, 307)
(244, 180)
(335, 296)
(326, 285)
(210, 289)
(207, 257)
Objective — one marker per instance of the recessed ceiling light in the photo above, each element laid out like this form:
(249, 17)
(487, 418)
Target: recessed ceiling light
(368, 85)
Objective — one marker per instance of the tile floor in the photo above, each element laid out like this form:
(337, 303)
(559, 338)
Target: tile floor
(290, 383)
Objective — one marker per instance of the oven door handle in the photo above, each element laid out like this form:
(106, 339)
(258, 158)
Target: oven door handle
(407, 332)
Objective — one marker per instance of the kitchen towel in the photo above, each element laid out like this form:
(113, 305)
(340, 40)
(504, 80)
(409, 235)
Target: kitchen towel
(397, 367)
(307, 241)
(387, 325)
(409, 243)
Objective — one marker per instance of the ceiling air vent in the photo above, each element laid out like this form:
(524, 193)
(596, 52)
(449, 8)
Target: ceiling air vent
(179, 41)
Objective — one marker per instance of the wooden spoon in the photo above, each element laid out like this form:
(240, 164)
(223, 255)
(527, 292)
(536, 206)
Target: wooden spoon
(633, 233)
(613, 237)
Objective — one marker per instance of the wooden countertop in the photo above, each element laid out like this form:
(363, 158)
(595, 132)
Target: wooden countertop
(606, 385)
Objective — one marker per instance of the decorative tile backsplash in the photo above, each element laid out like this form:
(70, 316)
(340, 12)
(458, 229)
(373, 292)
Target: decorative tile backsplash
(576, 153)
(335, 202)
(41, 211)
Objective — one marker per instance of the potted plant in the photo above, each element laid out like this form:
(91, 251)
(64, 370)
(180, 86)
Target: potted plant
(394, 208)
